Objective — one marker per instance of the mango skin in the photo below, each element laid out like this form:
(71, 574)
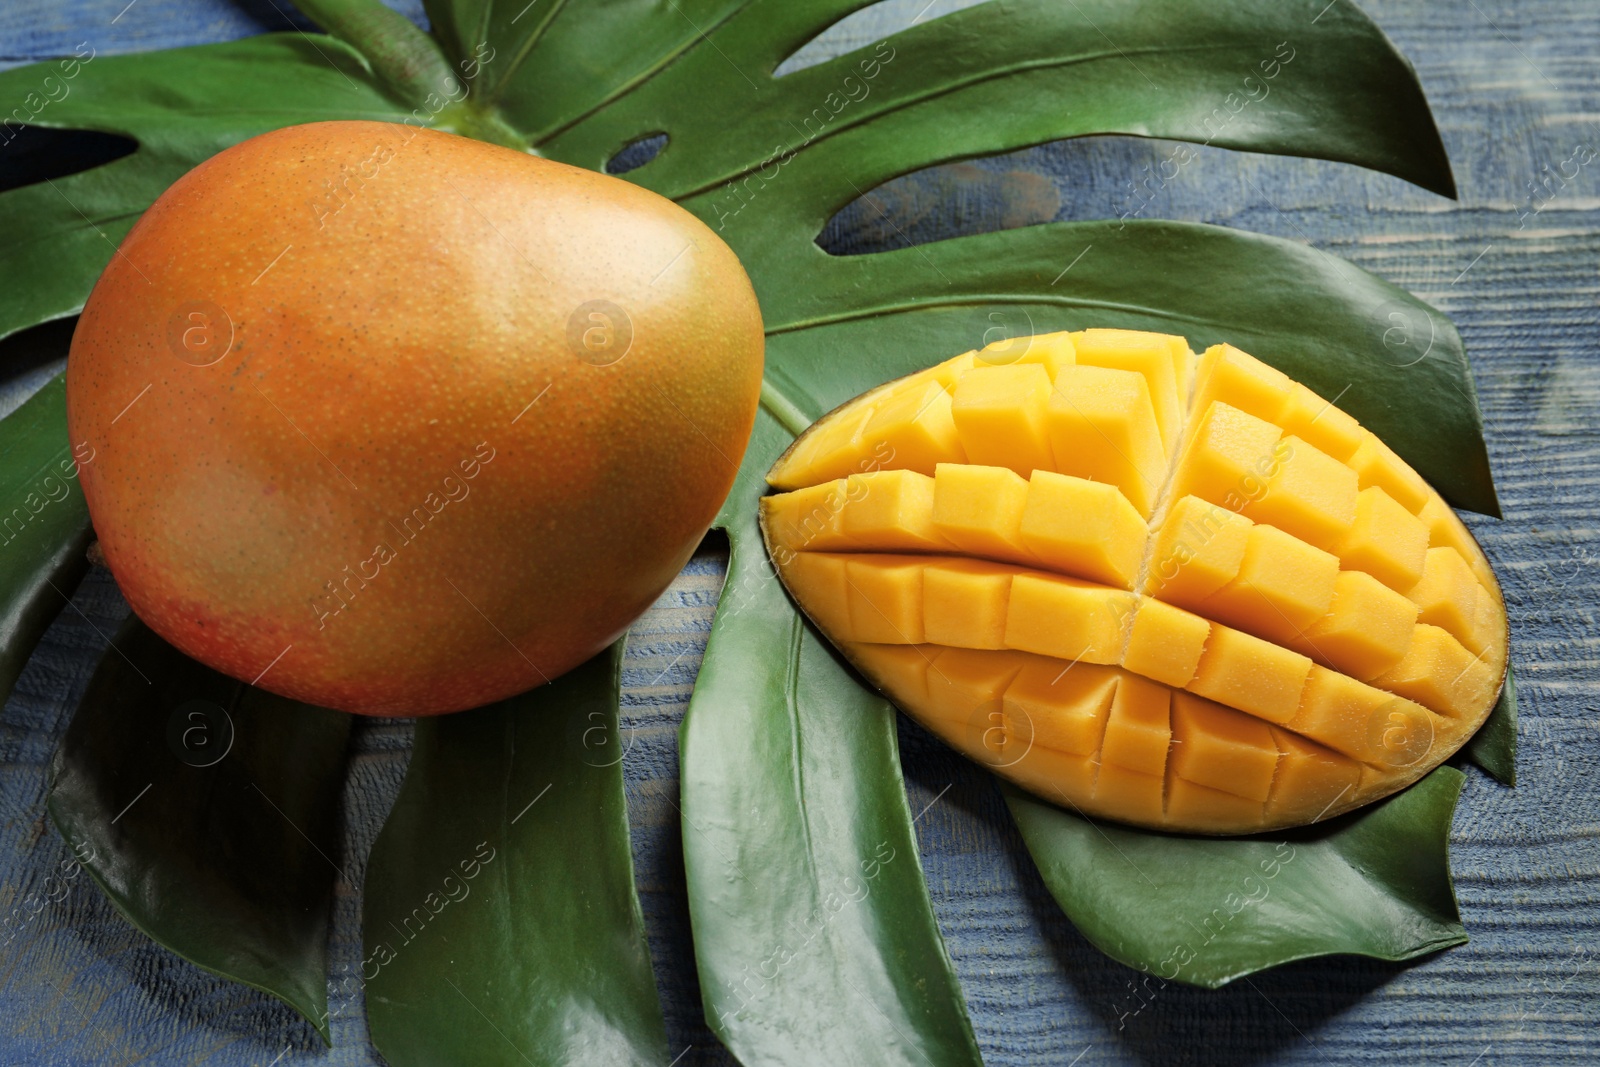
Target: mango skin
(422, 476)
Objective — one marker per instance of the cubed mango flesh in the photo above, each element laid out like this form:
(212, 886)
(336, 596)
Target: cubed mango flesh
(1182, 592)
(1139, 728)
(1308, 494)
(999, 414)
(1306, 415)
(1283, 586)
(1385, 540)
(891, 511)
(1052, 351)
(1198, 549)
(1066, 618)
(1103, 427)
(1151, 355)
(964, 602)
(979, 510)
(914, 429)
(1220, 748)
(1447, 594)
(1242, 382)
(1325, 778)
(1366, 630)
(1086, 529)
(1228, 458)
(1165, 643)
(1060, 708)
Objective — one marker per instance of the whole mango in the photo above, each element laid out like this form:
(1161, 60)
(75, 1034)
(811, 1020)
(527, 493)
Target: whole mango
(396, 422)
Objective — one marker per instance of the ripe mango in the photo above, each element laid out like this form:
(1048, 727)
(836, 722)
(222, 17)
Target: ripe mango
(398, 422)
(1180, 592)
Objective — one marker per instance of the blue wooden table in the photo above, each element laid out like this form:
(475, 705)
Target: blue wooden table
(1515, 85)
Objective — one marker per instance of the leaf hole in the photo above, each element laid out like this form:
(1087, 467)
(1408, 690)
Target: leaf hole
(936, 203)
(1078, 179)
(636, 153)
(33, 154)
(29, 358)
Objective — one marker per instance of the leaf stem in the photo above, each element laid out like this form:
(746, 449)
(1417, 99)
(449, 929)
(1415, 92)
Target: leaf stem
(408, 61)
(780, 407)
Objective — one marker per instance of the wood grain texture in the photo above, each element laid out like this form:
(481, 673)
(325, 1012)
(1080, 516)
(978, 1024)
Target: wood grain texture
(1515, 87)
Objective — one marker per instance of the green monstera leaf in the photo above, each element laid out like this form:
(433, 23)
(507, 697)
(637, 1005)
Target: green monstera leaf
(500, 918)
(207, 810)
(814, 934)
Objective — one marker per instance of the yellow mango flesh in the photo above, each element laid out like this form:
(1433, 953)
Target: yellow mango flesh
(1177, 591)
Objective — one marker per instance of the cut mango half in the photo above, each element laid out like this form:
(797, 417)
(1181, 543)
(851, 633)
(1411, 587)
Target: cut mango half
(1182, 592)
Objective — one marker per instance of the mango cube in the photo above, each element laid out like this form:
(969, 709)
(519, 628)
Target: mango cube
(1313, 778)
(964, 602)
(900, 670)
(806, 518)
(1306, 415)
(1283, 586)
(1198, 550)
(1165, 643)
(826, 597)
(1147, 354)
(999, 414)
(1228, 459)
(979, 510)
(1250, 674)
(1140, 796)
(1241, 381)
(1221, 748)
(1064, 779)
(1367, 630)
(829, 450)
(1445, 529)
(885, 598)
(888, 511)
(1139, 728)
(1447, 594)
(1376, 464)
(1308, 494)
(965, 690)
(1102, 427)
(1385, 540)
(914, 429)
(1058, 707)
(1052, 351)
(1440, 674)
(1362, 722)
(1082, 528)
(1066, 618)
(1489, 625)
